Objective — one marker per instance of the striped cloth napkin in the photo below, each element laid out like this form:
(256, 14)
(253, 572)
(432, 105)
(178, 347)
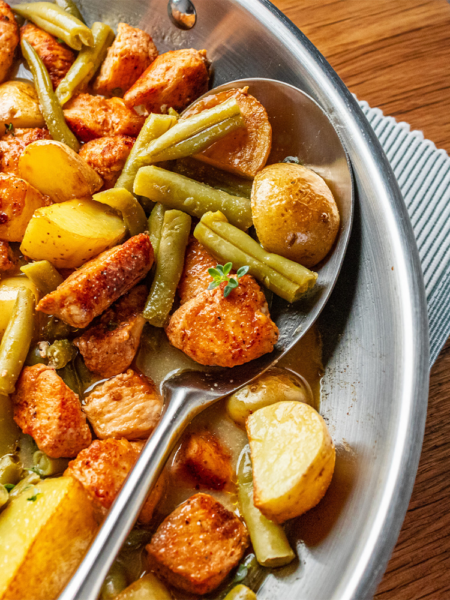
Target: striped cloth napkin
(423, 174)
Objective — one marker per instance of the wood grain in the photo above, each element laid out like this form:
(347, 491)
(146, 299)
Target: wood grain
(396, 55)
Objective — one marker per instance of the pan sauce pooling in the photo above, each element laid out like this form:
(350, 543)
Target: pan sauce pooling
(148, 243)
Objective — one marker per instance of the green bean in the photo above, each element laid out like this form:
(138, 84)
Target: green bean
(4, 496)
(50, 106)
(45, 466)
(26, 485)
(269, 541)
(227, 243)
(216, 178)
(114, 583)
(153, 128)
(240, 592)
(123, 201)
(36, 355)
(70, 7)
(9, 432)
(16, 340)
(10, 470)
(27, 448)
(44, 276)
(60, 353)
(174, 239)
(85, 377)
(56, 329)
(86, 64)
(70, 377)
(58, 22)
(181, 193)
(155, 226)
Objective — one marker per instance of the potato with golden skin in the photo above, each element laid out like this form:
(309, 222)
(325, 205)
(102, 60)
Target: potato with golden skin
(18, 201)
(9, 39)
(47, 409)
(19, 106)
(294, 213)
(131, 53)
(173, 80)
(107, 156)
(12, 146)
(197, 545)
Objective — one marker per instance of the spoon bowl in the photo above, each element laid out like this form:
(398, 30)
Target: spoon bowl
(301, 129)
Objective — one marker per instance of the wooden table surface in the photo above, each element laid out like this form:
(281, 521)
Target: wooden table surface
(396, 55)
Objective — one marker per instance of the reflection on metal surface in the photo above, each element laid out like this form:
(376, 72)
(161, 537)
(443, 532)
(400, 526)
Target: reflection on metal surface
(182, 13)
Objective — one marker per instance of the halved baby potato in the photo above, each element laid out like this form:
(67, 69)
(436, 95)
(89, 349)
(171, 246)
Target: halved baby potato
(57, 171)
(70, 233)
(19, 105)
(244, 151)
(293, 459)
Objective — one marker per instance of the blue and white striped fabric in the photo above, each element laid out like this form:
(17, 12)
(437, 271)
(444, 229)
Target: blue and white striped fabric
(423, 174)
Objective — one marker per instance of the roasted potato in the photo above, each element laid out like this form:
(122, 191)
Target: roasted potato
(293, 459)
(9, 288)
(70, 233)
(294, 213)
(19, 105)
(18, 201)
(148, 587)
(275, 385)
(57, 171)
(246, 150)
(45, 532)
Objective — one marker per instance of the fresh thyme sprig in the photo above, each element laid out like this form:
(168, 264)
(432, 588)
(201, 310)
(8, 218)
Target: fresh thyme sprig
(220, 274)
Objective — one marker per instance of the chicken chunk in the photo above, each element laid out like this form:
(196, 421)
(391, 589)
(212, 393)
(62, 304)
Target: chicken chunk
(174, 79)
(102, 469)
(126, 406)
(131, 53)
(197, 545)
(12, 146)
(205, 459)
(195, 277)
(91, 117)
(7, 260)
(47, 409)
(9, 39)
(58, 58)
(213, 330)
(109, 347)
(107, 156)
(89, 291)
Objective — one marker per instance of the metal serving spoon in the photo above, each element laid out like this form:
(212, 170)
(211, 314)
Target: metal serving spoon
(300, 129)
(182, 13)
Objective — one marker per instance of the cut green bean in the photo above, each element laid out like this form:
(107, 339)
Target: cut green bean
(269, 541)
(227, 243)
(114, 583)
(60, 353)
(4, 496)
(155, 226)
(44, 276)
(169, 266)
(45, 466)
(123, 201)
(214, 177)
(181, 193)
(9, 432)
(55, 329)
(153, 128)
(16, 340)
(70, 377)
(36, 355)
(70, 7)
(26, 485)
(50, 106)
(58, 22)
(240, 592)
(10, 470)
(27, 448)
(192, 135)
(86, 64)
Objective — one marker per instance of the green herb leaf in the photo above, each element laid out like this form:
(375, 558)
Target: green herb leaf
(10, 129)
(213, 285)
(9, 486)
(227, 268)
(292, 159)
(220, 274)
(60, 41)
(34, 497)
(242, 271)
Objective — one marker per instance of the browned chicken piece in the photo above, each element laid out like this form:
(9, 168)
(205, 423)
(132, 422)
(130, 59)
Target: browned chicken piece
(195, 277)
(48, 410)
(9, 39)
(58, 58)
(7, 260)
(205, 459)
(213, 330)
(197, 545)
(126, 406)
(12, 146)
(107, 156)
(109, 347)
(174, 79)
(102, 469)
(92, 289)
(131, 53)
(91, 117)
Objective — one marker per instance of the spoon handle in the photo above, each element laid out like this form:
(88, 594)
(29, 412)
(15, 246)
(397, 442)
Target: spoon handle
(88, 579)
